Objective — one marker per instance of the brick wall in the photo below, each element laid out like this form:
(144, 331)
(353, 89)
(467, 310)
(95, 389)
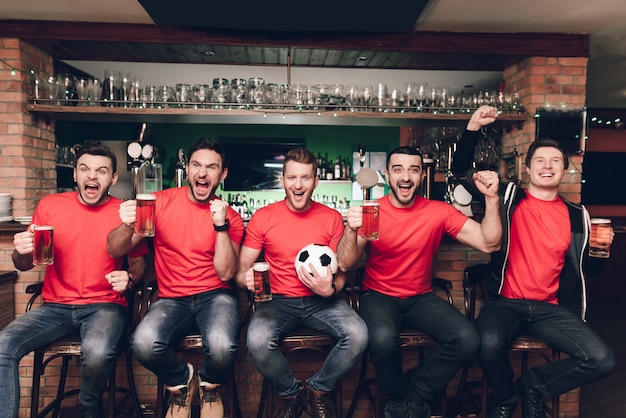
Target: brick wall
(552, 83)
(27, 164)
(27, 168)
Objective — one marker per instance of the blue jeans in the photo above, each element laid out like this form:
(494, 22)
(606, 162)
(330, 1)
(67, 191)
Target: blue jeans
(275, 319)
(100, 326)
(501, 320)
(386, 316)
(214, 314)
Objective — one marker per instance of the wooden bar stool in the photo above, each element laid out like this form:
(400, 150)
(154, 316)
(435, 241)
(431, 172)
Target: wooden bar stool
(70, 347)
(410, 338)
(474, 295)
(192, 345)
(301, 339)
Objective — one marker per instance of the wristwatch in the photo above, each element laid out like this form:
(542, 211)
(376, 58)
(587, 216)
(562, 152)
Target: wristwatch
(131, 282)
(222, 228)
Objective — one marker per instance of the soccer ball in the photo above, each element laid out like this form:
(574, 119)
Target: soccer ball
(320, 256)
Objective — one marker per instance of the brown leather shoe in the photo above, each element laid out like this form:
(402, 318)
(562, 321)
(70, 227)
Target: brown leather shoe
(292, 406)
(319, 404)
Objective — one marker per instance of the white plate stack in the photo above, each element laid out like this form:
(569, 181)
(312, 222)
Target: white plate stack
(5, 207)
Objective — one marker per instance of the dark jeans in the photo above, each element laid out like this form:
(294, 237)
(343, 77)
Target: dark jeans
(501, 320)
(100, 325)
(275, 319)
(386, 316)
(215, 314)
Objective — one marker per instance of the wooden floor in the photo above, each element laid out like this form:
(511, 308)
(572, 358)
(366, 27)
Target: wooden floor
(606, 398)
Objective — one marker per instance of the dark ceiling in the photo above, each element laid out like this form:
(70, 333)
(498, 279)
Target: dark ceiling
(285, 15)
(415, 50)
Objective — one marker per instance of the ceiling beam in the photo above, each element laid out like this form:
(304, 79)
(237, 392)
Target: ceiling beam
(519, 44)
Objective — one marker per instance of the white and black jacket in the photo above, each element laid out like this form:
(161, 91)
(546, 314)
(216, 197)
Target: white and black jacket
(572, 289)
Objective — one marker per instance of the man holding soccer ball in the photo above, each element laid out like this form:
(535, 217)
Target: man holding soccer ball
(299, 297)
(397, 284)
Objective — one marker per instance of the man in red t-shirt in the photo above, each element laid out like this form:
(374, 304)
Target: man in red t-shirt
(280, 230)
(398, 280)
(536, 280)
(196, 245)
(83, 290)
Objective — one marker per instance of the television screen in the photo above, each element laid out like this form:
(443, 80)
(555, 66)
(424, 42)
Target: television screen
(257, 163)
(603, 175)
(568, 128)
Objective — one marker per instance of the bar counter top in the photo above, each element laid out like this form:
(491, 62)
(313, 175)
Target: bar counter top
(12, 226)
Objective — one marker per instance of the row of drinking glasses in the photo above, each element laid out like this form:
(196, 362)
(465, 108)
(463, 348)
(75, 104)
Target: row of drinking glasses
(120, 88)
(66, 89)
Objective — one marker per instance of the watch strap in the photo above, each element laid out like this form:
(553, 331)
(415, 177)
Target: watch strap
(222, 228)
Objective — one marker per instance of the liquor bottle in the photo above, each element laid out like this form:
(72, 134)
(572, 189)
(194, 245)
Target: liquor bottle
(319, 166)
(337, 168)
(345, 169)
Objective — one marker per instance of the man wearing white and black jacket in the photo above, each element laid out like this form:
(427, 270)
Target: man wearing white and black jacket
(536, 280)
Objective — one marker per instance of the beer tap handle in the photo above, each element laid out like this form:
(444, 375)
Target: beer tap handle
(361, 154)
(181, 158)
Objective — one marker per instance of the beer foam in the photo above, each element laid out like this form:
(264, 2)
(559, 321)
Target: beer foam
(145, 196)
(44, 227)
(261, 267)
(600, 221)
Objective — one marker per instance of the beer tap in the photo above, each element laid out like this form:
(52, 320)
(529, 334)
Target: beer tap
(366, 177)
(141, 156)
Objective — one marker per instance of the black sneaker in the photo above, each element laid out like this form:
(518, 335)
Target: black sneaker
(396, 408)
(418, 408)
(502, 411)
(532, 400)
(95, 411)
(292, 406)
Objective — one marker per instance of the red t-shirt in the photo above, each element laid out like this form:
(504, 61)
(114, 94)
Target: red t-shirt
(282, 233)
(80, 256)
(400, 263)
(184, 244)
(540, 238)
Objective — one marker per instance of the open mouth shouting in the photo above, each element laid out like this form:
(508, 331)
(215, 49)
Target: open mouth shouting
(91, 191)
(202, 187)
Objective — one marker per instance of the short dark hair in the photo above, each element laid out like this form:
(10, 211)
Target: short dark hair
(546, 142)
(95, 148)
(206, 143)
(301, 155)
(404, 150)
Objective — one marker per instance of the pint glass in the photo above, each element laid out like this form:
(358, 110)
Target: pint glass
(262, 288)
(144, 225)
(600, 238)
(43, 252)
(369, 226)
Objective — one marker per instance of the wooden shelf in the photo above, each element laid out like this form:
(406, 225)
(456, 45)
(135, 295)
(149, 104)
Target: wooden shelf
(259, 116)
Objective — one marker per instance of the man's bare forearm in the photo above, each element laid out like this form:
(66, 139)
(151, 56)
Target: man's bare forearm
(347, 249)
(22, 262)
(120, 241)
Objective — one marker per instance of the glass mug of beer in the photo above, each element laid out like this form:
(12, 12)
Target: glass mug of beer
(262, 288)
(144, 224)
(369, 225)
(600, 238)
(43, 252)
